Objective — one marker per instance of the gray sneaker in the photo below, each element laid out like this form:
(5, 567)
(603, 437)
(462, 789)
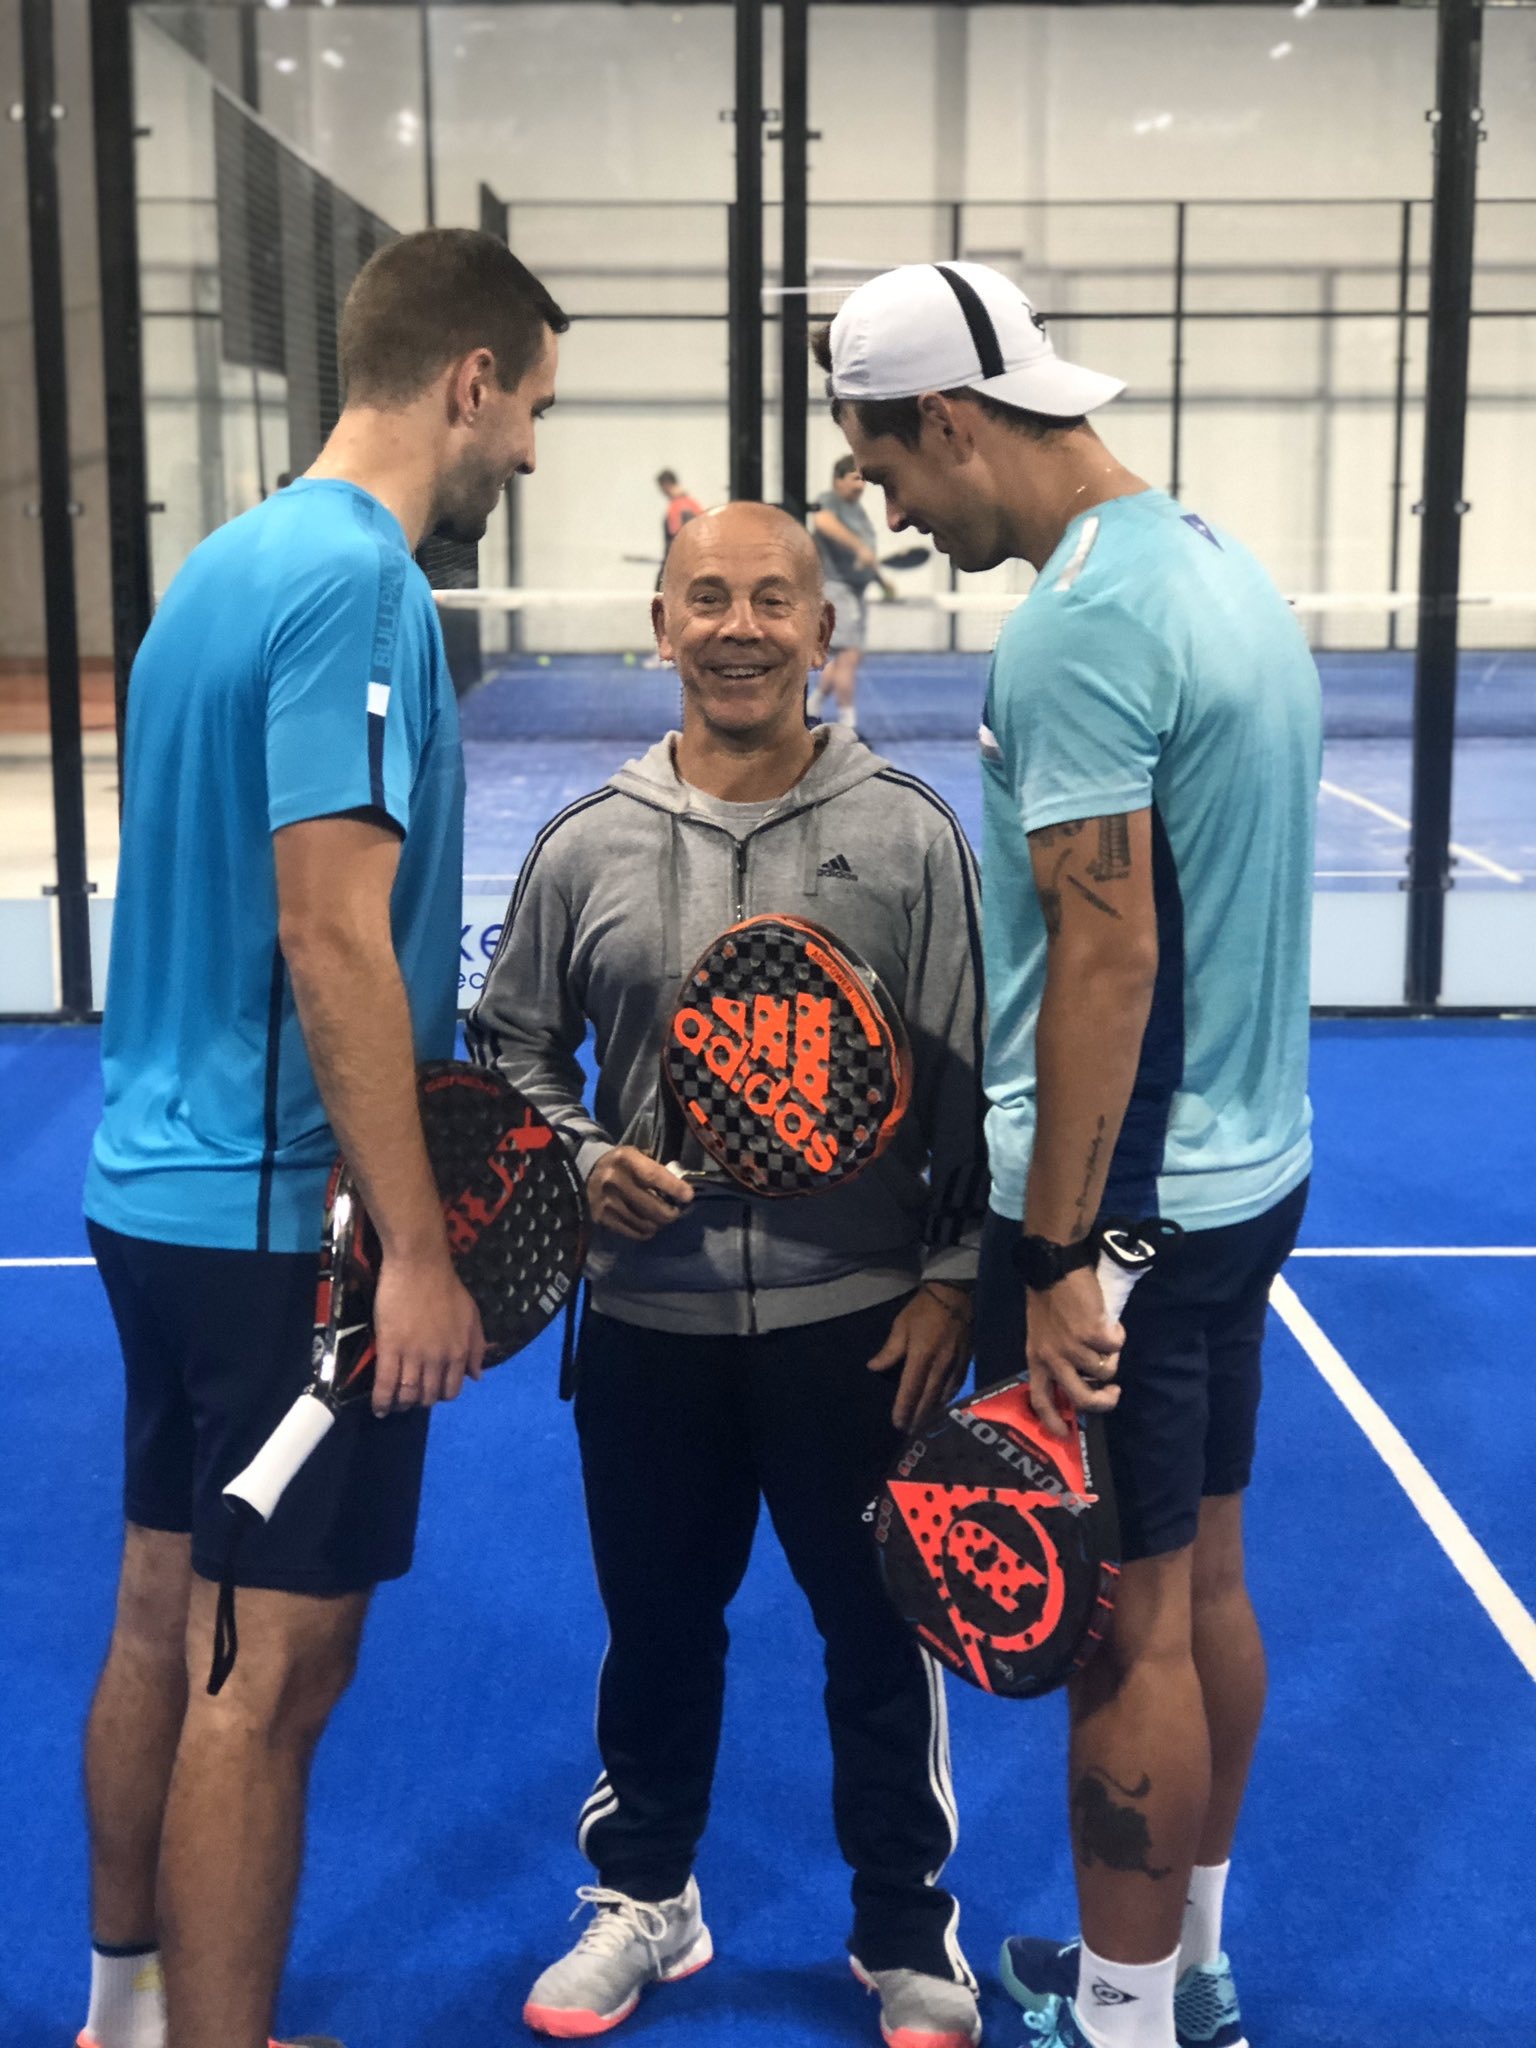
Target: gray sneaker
(922, 2012)
(627, 1944)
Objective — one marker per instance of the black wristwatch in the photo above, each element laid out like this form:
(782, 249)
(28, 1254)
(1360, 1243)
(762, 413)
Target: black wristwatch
(1043, 1262)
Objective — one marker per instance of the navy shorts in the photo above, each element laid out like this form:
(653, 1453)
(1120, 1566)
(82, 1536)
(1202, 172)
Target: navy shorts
(1190, 1373)
(216, 1347)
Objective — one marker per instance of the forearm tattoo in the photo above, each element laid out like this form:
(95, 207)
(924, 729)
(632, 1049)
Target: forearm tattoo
(1109, 1832)
(1081, 1204)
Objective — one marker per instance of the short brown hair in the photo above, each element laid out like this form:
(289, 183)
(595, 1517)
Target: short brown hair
(427, 300)
(901, 419)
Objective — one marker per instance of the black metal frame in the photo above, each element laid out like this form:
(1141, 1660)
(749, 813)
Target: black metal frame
(1458, 130)
(57, 511)
(794, 312)
(745, 245)
(117, 225)
(1449, 317)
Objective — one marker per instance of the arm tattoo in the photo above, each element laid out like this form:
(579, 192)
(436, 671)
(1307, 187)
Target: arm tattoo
(1114, 861)
(1116, 1836)
(1095, 899)
(1049, 834)
(1081, 1204)
(1050, 906)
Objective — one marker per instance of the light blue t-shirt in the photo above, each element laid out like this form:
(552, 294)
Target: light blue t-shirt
(295, 670)
(1155, 666)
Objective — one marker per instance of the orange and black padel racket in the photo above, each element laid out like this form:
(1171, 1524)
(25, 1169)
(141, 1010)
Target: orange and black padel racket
(999, 1542)
(517, 1223)
(785, 1059)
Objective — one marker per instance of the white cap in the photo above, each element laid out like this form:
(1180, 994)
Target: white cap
(948, 326)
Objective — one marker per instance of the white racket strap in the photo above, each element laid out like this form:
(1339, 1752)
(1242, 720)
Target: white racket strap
(266, 1479)
(1115, 1284)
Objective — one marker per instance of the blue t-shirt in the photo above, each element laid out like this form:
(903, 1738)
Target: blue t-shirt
(1155, 666)
(294, 670)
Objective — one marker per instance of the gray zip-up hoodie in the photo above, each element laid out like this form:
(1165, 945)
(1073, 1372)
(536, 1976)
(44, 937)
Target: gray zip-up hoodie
(618, 898)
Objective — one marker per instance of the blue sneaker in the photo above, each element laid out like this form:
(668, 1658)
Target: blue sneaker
(1205, 2010)
(1053, 2025)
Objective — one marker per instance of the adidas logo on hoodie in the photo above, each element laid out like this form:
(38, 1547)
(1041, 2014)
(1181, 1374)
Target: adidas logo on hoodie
(837, 869)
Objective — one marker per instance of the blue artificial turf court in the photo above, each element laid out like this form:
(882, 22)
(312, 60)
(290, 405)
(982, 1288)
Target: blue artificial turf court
(1383, 1891)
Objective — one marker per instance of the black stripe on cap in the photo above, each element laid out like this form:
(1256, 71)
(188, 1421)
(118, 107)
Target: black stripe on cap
(977, 318)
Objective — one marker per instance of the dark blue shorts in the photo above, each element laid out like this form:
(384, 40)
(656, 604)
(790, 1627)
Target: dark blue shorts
(1190, 1373)
(216, 1346)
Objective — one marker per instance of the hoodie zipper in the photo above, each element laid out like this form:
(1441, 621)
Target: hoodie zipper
(746, 1220)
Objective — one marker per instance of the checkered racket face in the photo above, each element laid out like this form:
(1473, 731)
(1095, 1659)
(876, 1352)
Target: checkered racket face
(513, 1201)
(996, 1548)
(787, 1059)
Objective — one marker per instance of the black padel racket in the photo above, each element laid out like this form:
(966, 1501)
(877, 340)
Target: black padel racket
(785, 1059)
(999, 1542)
(516, 1214)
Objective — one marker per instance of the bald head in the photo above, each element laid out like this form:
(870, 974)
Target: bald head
(742, 613)
(733, 532)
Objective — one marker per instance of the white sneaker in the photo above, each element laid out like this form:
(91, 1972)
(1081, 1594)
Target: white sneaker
(918, 2011)
(627, 1944)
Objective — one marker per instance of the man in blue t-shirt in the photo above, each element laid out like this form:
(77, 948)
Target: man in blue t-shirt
(284, 952)
(1150, 755)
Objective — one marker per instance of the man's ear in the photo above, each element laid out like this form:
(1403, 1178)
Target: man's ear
(825, 625)
(468, 383)
(659, 628)
(951, 423)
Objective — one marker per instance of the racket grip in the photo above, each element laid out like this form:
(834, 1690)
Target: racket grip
(1115, 1284)
(265, 1480)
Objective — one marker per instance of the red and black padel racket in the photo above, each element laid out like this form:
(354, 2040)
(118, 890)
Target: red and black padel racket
(517, 1221)
(999, 1542)
(785, 1059)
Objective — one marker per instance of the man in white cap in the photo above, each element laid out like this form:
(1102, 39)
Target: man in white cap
(1150, 760)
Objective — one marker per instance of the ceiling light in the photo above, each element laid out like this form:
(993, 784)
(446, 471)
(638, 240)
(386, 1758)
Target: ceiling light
(1282, 49)
(334, 59)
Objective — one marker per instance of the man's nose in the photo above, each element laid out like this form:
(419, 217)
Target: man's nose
(740, 621)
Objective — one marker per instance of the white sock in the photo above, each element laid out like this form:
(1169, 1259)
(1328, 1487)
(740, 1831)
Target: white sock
(127, 1999)
(845, 715)
(1126, 2005)
(1200, 1942)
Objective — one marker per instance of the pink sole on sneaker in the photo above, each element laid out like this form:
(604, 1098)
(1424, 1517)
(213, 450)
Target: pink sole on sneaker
(564, 2025)
(575, 2026)
(910, 2037)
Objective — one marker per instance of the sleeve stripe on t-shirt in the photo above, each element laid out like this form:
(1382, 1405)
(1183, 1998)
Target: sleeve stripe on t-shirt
(386, 632)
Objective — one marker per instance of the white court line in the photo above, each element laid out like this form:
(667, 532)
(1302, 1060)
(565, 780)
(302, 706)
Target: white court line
(1489, 1588)
(1478, 860)
(47, 1262)
(1415, 1251)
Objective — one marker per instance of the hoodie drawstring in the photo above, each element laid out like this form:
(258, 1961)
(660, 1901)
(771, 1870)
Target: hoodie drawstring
(671, 887)
(812, 833)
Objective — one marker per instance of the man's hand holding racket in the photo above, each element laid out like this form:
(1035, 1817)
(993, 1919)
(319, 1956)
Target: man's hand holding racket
(1074, 1343)
(931, 1341)
(635, 1196)
(427, 1329)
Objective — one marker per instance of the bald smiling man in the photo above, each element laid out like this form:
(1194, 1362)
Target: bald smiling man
(736, 1351)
